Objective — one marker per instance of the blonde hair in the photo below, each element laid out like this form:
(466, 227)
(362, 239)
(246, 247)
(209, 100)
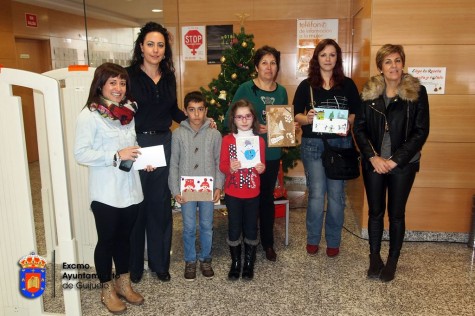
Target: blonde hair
(389, 49)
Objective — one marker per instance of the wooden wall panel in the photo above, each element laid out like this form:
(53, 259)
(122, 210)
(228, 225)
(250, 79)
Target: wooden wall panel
(192, 11)
(300, 9)
(7, 39)
(19, 24)
(460, 69)
(439, 210)
(361, 46)
(423, 22)
(7, 45)
(447, 165)
(452, 118)
(434, 210)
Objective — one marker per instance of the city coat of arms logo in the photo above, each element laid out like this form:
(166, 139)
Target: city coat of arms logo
(32, 275)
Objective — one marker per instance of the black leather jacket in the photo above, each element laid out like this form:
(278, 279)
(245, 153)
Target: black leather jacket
(407, 118)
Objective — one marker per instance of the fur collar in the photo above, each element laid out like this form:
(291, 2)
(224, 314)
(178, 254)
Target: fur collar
(408, 88)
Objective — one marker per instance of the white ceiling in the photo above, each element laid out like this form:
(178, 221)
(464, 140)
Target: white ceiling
(130, 12)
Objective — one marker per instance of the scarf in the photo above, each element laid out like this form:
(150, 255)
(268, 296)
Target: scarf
(123, 111)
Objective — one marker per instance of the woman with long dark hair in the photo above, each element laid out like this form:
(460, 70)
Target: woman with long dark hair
(325, 87)
(153, 86)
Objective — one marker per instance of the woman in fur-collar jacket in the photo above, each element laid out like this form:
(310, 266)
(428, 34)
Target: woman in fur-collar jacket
(390, 130)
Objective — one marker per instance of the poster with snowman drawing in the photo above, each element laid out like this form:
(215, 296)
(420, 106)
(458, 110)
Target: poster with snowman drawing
(194, 188)
(248, 151)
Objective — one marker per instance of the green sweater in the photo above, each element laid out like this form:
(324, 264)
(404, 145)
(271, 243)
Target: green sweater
(259, 99)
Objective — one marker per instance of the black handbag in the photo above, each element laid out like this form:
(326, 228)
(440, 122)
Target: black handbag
(340, 163)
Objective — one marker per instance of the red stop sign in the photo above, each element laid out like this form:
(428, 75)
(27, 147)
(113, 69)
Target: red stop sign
(193, 39)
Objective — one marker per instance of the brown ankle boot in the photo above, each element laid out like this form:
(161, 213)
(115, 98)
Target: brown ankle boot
(110, 299)
(125, 290)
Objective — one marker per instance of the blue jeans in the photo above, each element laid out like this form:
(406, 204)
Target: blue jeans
(205, 213)
(318, 186)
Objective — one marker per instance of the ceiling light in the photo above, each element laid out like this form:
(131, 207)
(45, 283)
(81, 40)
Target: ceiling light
(156, 10)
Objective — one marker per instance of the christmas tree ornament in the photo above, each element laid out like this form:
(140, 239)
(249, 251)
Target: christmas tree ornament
(222, 59)
(244, 44)
(212, 101)
(221, 118)
(222, 95)
(233, 76)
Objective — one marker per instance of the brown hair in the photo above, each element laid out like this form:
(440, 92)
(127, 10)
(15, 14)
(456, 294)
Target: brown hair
(101, 75)
(267, 50)
(243, 103)
(389, 49)
(194, 96)
(314, 76)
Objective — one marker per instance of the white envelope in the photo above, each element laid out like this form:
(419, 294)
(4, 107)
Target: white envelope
(153, 156)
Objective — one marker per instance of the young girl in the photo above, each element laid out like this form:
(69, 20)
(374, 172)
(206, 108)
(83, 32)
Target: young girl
(242, 186)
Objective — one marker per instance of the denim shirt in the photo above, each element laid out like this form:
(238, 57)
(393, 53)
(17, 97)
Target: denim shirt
(97, 140)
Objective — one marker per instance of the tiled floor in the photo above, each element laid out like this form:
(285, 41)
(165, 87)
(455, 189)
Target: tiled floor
(432, 279)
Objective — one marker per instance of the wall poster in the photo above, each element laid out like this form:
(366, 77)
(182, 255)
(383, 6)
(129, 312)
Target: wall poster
(433, 78)
(218, 38)
(309, 33)
(193, 43)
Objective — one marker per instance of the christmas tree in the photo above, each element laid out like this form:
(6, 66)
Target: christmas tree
(237, 67)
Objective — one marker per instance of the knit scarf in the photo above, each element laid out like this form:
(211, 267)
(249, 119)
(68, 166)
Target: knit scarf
(123, 111)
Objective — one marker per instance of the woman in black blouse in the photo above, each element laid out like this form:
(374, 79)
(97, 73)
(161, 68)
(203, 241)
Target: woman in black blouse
(153, 86)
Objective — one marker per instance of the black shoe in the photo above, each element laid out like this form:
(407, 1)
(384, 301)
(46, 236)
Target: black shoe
(376, 265)
(388, 272)
(136, 277)
(163, 276)
(270, 254)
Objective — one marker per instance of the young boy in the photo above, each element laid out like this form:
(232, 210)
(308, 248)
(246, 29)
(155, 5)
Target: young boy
(195, 152)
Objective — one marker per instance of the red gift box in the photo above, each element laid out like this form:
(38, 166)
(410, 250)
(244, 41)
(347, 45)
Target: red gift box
(279, 210)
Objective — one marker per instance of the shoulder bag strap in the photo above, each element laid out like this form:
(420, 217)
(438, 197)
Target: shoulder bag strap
(325, 143)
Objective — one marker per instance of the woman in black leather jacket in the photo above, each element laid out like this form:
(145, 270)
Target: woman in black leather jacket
(390, 130)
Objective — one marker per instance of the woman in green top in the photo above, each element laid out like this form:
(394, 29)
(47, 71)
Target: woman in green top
(262, 91)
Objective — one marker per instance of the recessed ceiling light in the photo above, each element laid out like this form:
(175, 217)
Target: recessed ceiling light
(156, 10)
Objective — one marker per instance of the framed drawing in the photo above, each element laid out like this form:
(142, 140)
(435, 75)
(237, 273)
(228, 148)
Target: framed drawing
(197, 188)
(280, 126)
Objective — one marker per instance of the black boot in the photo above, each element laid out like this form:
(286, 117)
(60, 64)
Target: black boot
(235, 270)
(387, 274)
(375, 266)
(249, 259)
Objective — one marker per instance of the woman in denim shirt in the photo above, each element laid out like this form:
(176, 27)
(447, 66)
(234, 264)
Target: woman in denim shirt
(105, 137)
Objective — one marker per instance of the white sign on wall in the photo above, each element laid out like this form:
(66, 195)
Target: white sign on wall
(433, 78)
(309, 33)
(193, 43)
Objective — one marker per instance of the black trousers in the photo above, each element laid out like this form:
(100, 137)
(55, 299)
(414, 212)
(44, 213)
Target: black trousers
(113, 226)
(398, 186)
(242, 218)
(155, 215)
(266, 203)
